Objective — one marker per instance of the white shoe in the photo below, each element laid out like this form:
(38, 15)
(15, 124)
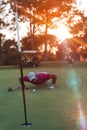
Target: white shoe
(52, 86)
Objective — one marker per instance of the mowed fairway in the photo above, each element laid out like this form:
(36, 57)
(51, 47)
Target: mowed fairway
(46, 109)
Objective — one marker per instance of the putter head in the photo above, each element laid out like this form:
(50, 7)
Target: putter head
(10, 89)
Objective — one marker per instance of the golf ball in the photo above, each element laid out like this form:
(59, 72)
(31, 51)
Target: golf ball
(34, 90)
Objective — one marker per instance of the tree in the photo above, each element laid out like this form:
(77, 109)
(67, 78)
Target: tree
(1, 48)
(10, 53)
(43, 12)
(64, 10)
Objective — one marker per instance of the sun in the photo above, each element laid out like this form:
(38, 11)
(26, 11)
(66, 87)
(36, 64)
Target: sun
(61, 33)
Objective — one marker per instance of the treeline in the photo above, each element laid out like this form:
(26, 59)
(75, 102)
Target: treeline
(9, 50)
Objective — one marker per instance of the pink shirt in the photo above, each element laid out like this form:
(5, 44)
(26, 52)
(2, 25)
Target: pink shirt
(42, 77)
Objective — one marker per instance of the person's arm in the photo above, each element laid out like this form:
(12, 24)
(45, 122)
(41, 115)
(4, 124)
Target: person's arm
(21, 82)
(54, 78)
(25, 79)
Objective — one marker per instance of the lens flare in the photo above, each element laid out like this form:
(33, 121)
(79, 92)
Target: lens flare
(82, 121)
(73, 80)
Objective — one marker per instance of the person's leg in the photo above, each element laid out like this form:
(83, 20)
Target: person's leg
(49, 83)
(54, 78)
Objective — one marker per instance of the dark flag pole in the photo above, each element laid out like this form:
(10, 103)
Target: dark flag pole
(21, 69)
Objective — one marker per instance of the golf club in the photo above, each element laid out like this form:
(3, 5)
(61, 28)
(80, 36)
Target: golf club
(10, 89)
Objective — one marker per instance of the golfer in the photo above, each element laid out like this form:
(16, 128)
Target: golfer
(40, 78)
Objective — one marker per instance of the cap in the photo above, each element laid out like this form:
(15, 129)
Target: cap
(31, 75)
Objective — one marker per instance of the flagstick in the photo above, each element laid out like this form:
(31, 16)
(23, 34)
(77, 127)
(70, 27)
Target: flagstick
(21, 70)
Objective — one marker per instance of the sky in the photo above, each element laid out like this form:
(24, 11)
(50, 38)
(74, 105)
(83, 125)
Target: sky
(82, 5)
(24, 26)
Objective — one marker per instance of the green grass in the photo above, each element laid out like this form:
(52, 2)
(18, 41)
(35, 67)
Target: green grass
(46, 109)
